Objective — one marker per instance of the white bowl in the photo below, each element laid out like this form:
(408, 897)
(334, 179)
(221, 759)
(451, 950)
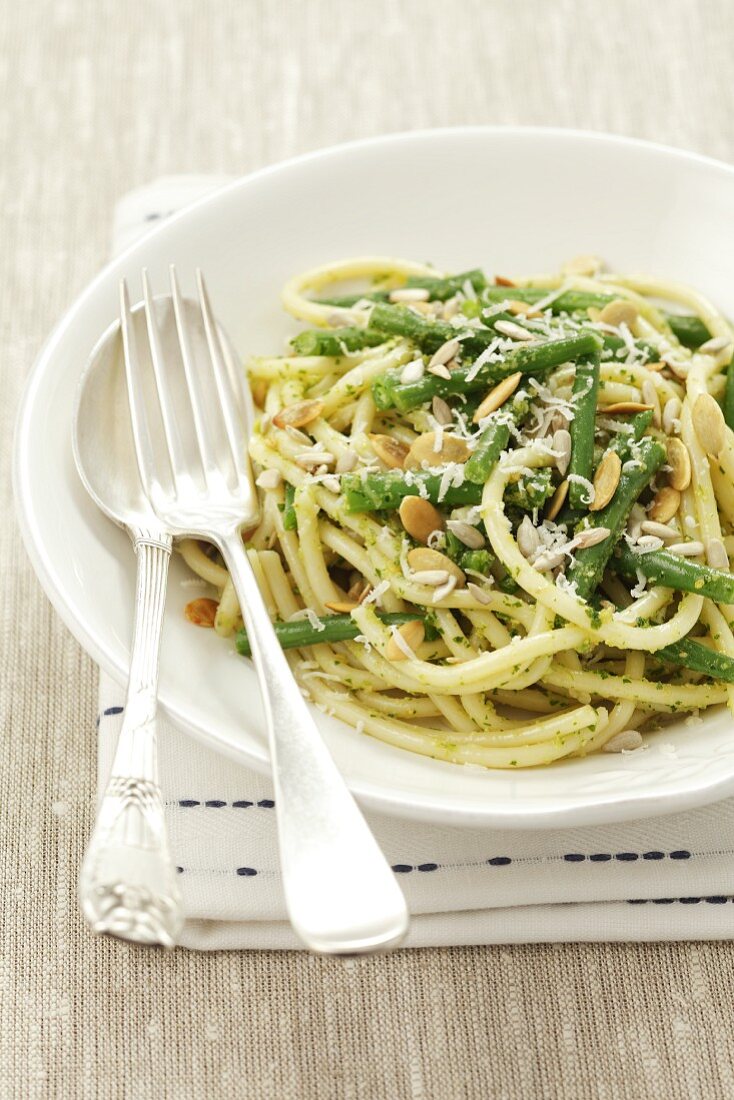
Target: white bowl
(511, 200)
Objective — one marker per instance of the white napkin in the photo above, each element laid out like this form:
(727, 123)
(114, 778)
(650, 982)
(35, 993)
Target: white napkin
(665, 878)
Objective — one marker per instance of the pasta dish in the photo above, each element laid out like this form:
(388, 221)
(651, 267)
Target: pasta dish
(497, 513)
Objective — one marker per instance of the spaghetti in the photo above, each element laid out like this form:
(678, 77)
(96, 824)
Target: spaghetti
(496, 515)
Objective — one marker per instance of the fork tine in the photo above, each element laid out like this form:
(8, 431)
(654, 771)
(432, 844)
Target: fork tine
(230, 406)
(136, 399)
(196, 395)
(171, 430)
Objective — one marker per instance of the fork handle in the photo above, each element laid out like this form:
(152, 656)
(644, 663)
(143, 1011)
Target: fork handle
(341, 895)
(127, 885)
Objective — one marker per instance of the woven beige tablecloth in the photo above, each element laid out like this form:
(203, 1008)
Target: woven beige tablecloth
(96, 97)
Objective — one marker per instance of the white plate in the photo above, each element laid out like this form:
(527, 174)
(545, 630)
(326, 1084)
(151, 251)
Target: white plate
(509, 200)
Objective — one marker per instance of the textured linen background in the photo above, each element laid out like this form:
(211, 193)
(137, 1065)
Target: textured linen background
(97, 97)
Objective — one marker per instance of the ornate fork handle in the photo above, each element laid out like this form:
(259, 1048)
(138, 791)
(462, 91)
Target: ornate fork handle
(127, 885)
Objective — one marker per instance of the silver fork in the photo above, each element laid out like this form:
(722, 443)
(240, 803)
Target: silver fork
(187, 422)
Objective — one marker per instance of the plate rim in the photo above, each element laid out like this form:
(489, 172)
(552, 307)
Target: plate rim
(611, 809)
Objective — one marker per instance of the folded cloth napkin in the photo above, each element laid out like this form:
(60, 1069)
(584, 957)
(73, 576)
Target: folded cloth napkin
(666, 878)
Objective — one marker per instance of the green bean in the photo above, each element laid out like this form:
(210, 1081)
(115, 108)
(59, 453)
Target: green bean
(388, 391)
(289, 513)
(383, 490)
(336, 341)
(441, 289)
(531, 491)
(689, 330)
(476, 561)
(674, 571)
(334, 628)
(729, 396)
(569, 302)
(699, 658)
(586, 570)
(493, 440)
(616, 344)
(583, 401)
(438, 289)
(624, 442)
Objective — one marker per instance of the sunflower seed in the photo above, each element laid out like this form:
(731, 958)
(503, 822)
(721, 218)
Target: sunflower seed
(444, 353)
(716, 555)
(412, 372)
(445, 590)
(346, 461)
(432, 577)
(660, 530)
(592, 536)
(269, 479)
(310, 459)
(528, 539)
(562, 446)
(465, 533)
(550, 559)
(671, 415)
(650, 397)
(515, 332)
(478, 593)
(626, 741)
(332, 483)
(442, 411)
(686, 549)
(717, 343)
(440, 371)
(409, 294)
(298, 436)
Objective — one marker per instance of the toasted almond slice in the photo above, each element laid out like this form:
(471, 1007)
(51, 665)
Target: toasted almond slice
(343, 607)
(419, 518)
(497, 396)
(716, 555)
(709, 424)
(656, 366)
(665, 504)
(500, 280)
(522, 309)
(470, 536)
(259, 391)
(619, 312)
(515, 332)
(582, 265)
(557, 500)
(358, 589)
(201, 612)
(679, 461)
(303, 412)
(626, 741)
(625, 407)
(423, 449)
(405, 640)
(421, 558)
(389, 450)
(606, 480)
